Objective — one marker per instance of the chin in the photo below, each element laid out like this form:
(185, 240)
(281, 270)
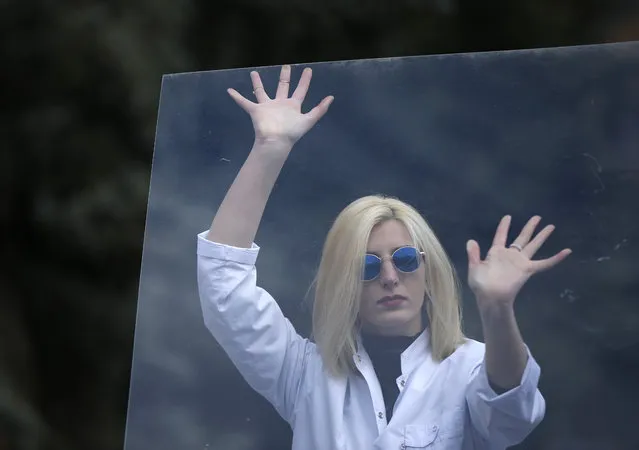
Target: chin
(395, 320)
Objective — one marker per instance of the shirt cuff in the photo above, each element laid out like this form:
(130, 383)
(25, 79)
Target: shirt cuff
(225, 252)
(527, 385)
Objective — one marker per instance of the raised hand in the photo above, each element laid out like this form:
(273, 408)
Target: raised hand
(280, 120)
(497, 279)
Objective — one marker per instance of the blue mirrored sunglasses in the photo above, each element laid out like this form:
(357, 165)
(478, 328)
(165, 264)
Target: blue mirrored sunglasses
(405, 259)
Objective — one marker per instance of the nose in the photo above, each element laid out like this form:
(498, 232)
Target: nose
(388, 274)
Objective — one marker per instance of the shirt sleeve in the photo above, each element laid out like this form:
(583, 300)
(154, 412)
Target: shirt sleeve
(249, 325)
(506, 419)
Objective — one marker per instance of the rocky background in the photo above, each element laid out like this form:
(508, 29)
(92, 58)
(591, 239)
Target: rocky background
(79, 92)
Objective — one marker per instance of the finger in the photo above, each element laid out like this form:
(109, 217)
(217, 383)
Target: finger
(501, 235)
(534, 245)
(315, 114)
(302, 87)
(245, 104)
(258, 88)
(474, 253)
(527, 231)
(545, 264)
(283, 84)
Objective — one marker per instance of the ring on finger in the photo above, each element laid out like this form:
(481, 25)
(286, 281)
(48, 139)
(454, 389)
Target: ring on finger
(255, 90)
(515, 246)
(284, 81)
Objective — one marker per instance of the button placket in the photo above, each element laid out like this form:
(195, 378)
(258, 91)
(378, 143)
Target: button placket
(376, 404)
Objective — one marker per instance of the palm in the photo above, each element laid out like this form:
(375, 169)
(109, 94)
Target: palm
(502, 272)
(281, 119)
(500, 276)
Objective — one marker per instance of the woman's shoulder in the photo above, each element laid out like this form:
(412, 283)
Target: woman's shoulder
(473, 345)
(469, 352)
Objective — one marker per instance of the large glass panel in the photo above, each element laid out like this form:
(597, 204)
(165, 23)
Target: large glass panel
(464, 138)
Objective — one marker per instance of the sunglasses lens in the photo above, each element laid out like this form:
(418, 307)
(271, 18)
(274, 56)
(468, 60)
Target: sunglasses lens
(406, 259)
(371, 267)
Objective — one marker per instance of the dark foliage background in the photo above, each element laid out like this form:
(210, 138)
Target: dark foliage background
(79, 89)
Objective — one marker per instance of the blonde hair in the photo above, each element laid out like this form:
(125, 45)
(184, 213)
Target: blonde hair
(338, 282)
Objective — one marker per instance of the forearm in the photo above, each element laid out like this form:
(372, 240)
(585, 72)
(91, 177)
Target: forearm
(239, 216)
(506, 354)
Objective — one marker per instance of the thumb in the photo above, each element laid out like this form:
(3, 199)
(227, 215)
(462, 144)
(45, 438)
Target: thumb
(472, 249)
(315, 114)
(240, 100)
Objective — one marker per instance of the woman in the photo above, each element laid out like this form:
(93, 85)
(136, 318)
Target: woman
(389, 367)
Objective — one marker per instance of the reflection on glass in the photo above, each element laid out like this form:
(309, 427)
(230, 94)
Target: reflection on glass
(408, 189)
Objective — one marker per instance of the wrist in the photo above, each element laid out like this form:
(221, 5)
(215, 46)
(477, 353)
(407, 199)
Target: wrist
(273, 145)
(490, 311)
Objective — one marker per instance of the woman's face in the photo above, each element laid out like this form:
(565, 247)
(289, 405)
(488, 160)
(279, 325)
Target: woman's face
(391, 304)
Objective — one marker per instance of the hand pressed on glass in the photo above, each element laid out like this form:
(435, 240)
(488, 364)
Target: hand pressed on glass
(280, 119)
(500, 276)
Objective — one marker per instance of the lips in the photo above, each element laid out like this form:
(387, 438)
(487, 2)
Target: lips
(391, 299)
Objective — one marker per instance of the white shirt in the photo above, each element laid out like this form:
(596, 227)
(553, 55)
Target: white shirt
(441, 405)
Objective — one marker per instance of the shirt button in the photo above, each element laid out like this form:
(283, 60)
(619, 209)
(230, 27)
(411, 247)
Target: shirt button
(403, 446)
(403, 382)
(380, 415)
(359, 358)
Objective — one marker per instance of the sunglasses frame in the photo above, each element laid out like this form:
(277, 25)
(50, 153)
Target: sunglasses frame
(381, 260)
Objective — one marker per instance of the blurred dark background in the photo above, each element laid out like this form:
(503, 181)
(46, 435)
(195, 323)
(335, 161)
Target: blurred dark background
(79, 91)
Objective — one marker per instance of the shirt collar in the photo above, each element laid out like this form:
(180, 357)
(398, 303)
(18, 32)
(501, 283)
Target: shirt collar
(416, 352)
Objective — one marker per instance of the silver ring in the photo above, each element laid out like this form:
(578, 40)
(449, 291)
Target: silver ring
(284, 81)
(259, 87)
(518, 247)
